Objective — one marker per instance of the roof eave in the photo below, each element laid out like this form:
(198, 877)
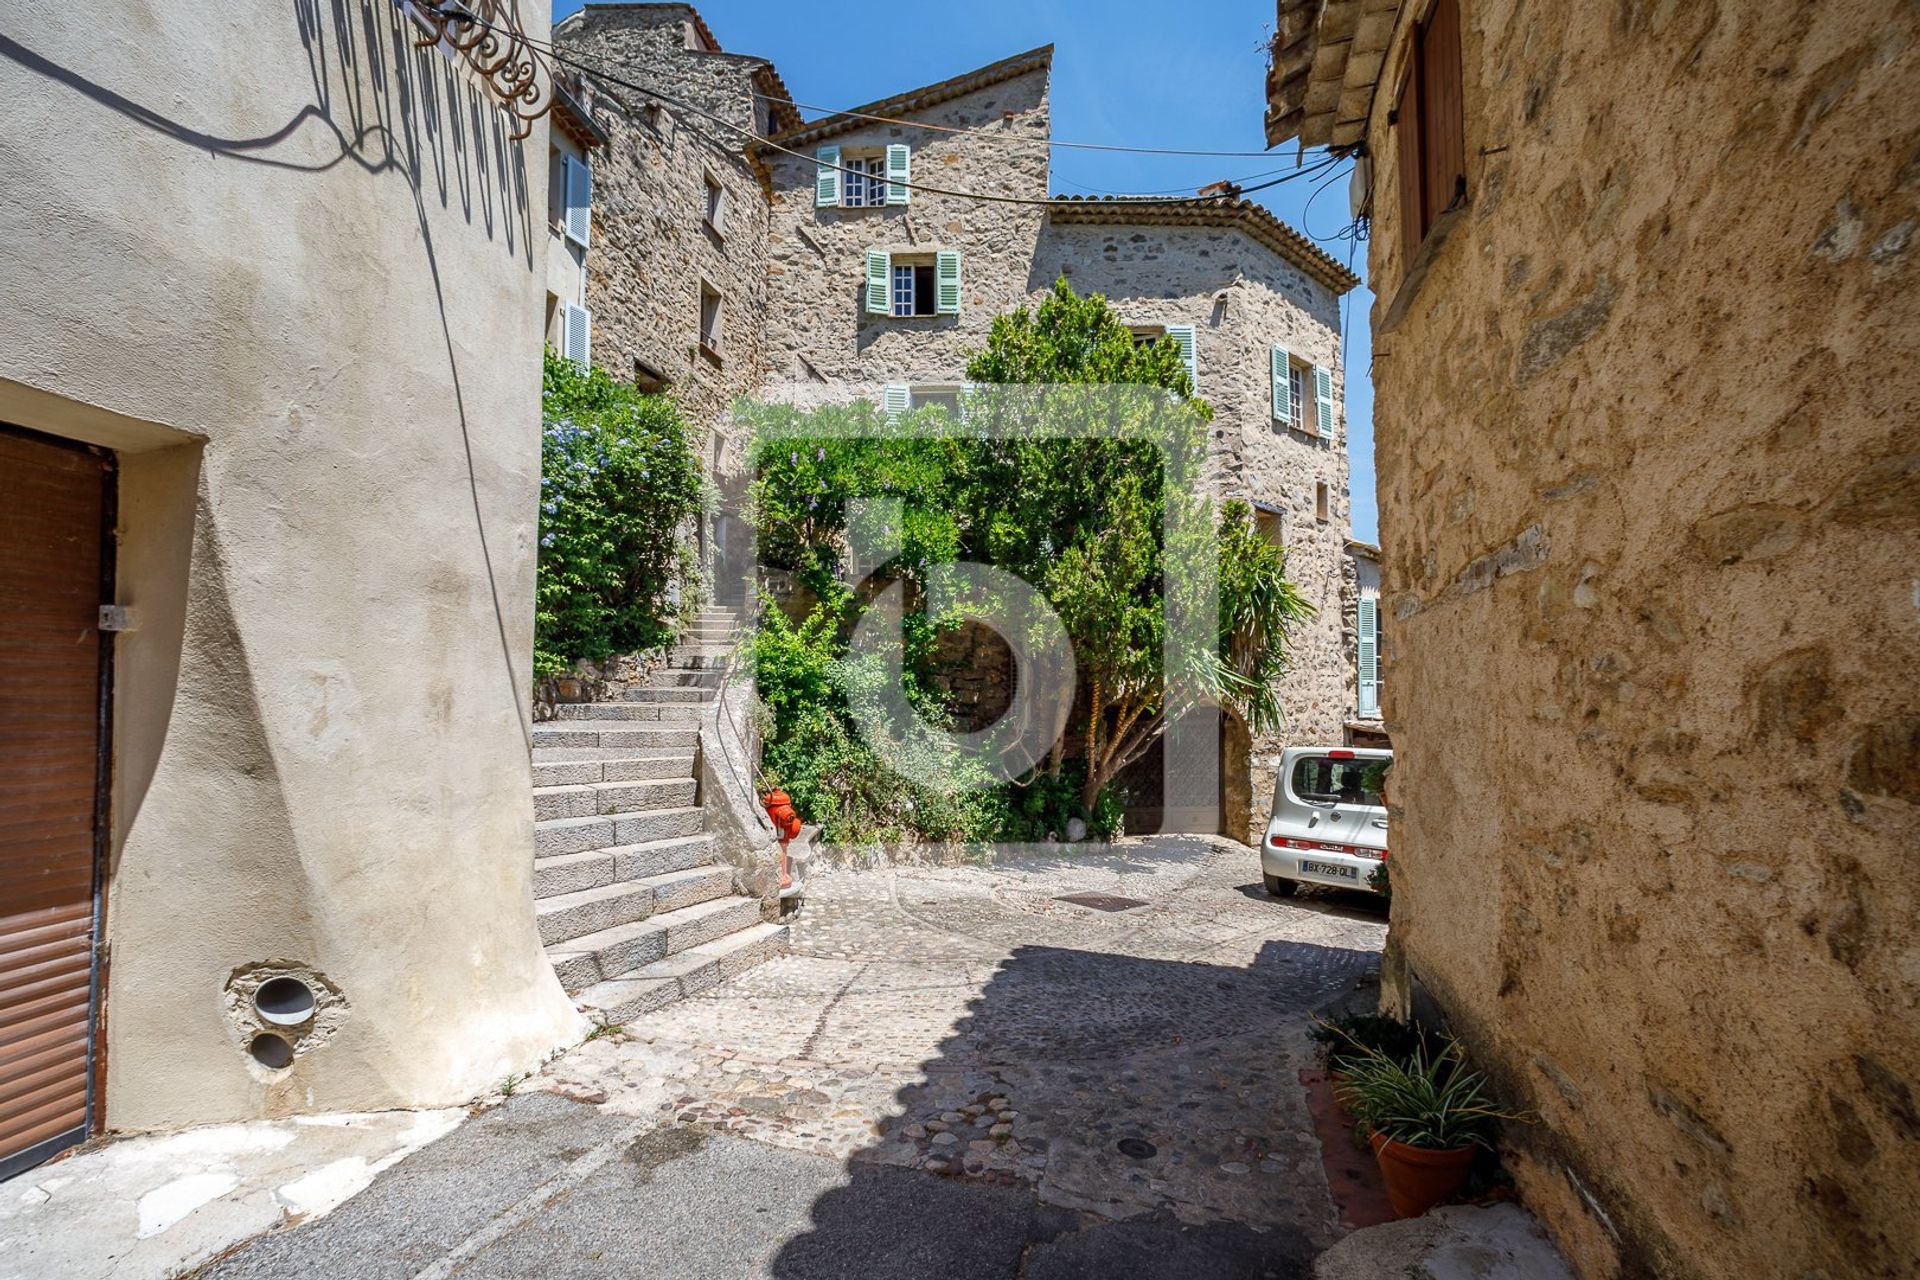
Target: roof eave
(919, 99)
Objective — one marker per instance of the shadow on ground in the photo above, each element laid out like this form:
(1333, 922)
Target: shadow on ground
(1098, 1114)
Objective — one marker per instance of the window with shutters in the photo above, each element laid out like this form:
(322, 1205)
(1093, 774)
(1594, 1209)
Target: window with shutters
(1428, 126)
(1180, 335)
(908, 285)
(863, 178)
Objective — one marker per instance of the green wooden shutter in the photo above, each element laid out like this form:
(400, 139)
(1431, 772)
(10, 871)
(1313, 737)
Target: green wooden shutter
(879, 277)
(946, 292)
(1181, 335)
(1282, 387)
(1323, 396)
(1367, 657)
(895, 399)
(826, 176)
(899, 172)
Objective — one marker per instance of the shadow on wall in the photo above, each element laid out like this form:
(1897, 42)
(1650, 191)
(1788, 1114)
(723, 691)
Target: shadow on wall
(1153, 1104)
(397, 113)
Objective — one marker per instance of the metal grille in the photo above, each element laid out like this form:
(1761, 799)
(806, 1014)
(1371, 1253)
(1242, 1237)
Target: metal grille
(50, 738)
(1101, 901)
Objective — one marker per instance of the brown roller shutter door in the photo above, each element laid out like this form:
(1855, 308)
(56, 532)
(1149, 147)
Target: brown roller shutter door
(55, 502)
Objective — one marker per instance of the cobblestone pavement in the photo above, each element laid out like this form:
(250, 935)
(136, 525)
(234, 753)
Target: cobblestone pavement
(967, 1022)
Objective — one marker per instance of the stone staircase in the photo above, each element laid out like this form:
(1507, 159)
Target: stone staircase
(631, 906)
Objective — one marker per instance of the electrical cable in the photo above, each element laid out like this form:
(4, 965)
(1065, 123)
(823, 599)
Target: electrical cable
(570, 60)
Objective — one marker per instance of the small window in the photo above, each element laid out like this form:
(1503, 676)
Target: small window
(938, 397)
(1322, 501)
(1145, 335)
(556, 189)
(1271, 525)
(648, 380)
(716, 205)
(913, 289)
(709, 320)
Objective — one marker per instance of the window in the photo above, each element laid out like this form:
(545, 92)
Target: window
(863, 184)
(709, 320)
(913, 291)
(864, 179)
(938, 396)
(1182, 337)
(1271, 525)
(919, 284)
(1429, 131)
(1331, 780)
(648, 380)
(1322, 501)
(1145, 335)
(716, 205)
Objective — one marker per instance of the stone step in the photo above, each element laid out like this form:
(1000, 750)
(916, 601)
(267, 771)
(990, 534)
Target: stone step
(569, 915)
(577, 835)
(678, 976)
(594, 957)
(642, 712)
(572, 872)
(601, 799)
(610, 766)
(683, 678)
(674, 693)
(712, 657)
(613, 733)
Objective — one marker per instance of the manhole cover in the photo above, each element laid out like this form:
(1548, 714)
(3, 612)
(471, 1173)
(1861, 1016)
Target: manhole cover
(1138, 1148)
(1101, 901)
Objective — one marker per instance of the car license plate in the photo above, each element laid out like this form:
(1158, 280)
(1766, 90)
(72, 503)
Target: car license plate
(1327, 869)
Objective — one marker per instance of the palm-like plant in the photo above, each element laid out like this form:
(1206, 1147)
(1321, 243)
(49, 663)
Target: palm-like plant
(1427, 1100)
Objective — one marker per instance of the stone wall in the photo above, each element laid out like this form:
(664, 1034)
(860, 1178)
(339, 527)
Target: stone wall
(1649, 494)
(651, 247)
(818, 331)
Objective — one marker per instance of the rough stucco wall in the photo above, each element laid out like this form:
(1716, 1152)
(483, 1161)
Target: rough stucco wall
(318, 354)
(650, 247)
(1242, 298)
(1649, 495)
(817, 329)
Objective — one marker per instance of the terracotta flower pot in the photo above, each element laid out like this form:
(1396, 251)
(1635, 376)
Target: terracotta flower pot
(1418, 1178)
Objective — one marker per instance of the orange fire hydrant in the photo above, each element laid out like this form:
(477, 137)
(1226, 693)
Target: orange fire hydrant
(786, 825)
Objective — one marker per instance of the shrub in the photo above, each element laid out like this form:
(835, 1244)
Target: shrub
(618, 479)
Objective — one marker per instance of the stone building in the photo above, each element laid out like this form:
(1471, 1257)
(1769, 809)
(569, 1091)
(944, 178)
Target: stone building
(1645, 366)
(269, 394)
(862, 261)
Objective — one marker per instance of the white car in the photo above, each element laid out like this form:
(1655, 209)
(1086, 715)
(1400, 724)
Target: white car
(1328, 825)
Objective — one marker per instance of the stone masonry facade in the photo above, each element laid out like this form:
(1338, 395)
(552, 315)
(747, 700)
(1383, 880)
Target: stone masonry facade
(1646, 397)
(792, 274)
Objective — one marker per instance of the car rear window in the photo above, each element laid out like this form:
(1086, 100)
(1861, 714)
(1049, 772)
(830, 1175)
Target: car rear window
(1329, 781)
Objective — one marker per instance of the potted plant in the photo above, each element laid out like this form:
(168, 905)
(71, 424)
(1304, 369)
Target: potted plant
(1426, 1115)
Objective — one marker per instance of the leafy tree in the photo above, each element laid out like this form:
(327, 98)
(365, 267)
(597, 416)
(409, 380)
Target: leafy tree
(1090, 531)
(618, 478)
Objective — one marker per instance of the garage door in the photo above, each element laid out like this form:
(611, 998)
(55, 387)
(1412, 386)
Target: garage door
(54, 501)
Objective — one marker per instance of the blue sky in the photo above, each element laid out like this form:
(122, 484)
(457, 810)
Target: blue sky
(1187, 75)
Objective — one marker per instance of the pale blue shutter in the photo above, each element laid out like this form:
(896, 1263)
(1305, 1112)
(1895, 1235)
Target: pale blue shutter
(1181, 335)
(946, 272)
(826, 176)
(895, 399)
(1367, 657)
(576, 334)
(879, 275)
(1323, 397)
(579, 179)
(1282, 387)
(899, 172)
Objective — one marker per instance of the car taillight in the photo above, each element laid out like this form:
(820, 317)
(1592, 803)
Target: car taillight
(1339, 755)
